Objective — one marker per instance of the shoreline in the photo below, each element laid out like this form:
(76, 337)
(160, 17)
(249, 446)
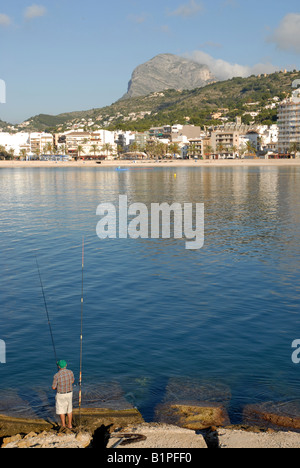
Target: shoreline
(152, 164)
(142, 435)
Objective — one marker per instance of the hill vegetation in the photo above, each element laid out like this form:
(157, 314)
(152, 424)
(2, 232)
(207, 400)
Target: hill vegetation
(235, 97)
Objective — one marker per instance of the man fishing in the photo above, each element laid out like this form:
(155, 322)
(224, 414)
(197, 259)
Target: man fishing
(63, 384)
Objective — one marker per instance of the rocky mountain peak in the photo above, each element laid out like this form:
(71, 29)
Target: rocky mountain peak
(167, 71)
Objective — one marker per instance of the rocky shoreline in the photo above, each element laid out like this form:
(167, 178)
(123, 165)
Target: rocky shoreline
(178, 425)
(190, 414)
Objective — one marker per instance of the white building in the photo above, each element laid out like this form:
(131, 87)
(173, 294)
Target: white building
(269, 138)
(40, 143)
(92, 144)
(15, 142)
(124, 139)
(289, 122)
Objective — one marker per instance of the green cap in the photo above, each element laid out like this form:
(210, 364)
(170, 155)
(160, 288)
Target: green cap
(62, 364)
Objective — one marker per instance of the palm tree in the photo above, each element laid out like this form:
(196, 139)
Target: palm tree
(242, 150)
(235, 150)
(149, 149)
(174, 149)
(93, 149)
(259, 143)
(161, 149)
(294, 148)
(48, 148)
(80, 150)
(107, 147)
(120, 150)
(11, 153)
(37, 153)
(63, 149)
(250, 148)
(133, 148)
(208, 150)
(23, 153)
(3, 152)
(220, 149)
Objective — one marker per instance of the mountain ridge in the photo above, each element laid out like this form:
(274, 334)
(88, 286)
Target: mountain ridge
(173, 106)
(167, 71)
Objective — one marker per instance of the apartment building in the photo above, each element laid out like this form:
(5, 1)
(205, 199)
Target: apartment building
(90, 143)
(74, 139)
(40, 143)
(225, 139)
(199, 147)
(125, 139)
(289, 123)
(163, 132)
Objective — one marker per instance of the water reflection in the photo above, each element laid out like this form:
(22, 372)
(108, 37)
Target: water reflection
(154, 312)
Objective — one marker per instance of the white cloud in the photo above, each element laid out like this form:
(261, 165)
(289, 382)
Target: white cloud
(4, 20)
(188, 9)
(223, 70)
(34, 11)
(287, 35)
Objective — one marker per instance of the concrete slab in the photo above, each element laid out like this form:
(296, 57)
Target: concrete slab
(229, 438)
(161, 436)
(10, 426)
(93, 418)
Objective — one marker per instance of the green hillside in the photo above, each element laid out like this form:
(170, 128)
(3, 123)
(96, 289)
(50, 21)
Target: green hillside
(173, 106)
(3, 125)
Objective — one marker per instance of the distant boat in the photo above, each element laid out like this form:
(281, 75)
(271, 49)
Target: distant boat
(121, 169)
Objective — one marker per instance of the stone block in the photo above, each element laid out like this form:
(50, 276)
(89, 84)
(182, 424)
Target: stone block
(195, 416)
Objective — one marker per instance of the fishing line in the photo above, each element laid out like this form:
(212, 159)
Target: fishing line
(46, 308)
(81, 334)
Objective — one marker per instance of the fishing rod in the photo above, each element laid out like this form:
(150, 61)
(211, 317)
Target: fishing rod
(81, 333)
(46, 308)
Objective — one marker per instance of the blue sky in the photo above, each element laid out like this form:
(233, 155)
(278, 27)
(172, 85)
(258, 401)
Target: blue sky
(61, 55)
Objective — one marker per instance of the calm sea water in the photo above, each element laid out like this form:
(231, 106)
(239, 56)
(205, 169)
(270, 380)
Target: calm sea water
(159, 321)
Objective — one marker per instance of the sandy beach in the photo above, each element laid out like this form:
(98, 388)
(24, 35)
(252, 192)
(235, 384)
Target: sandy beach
(151, 163)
